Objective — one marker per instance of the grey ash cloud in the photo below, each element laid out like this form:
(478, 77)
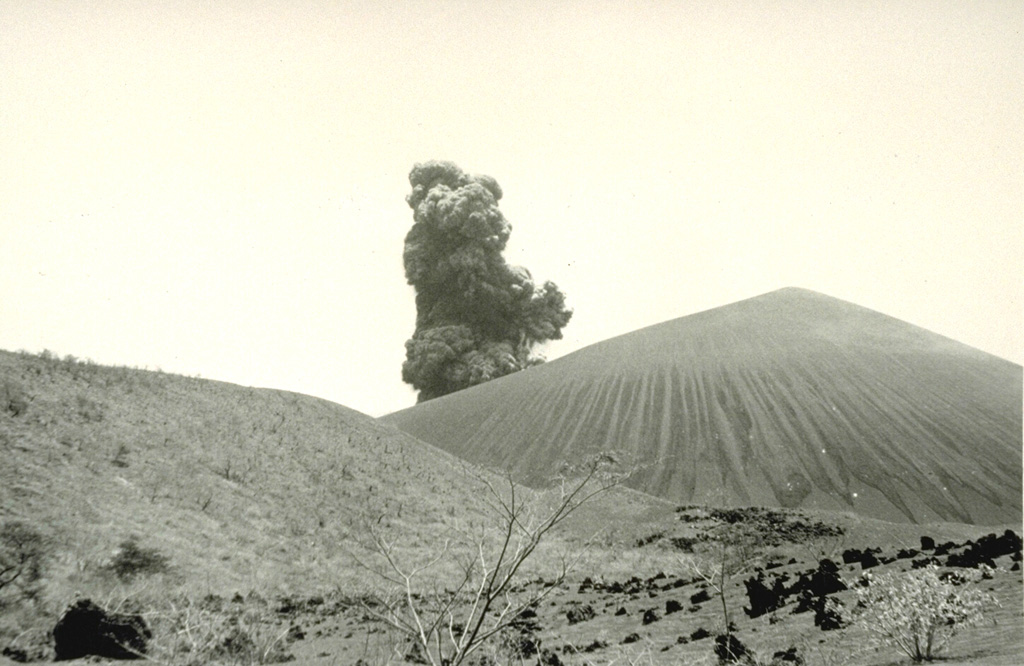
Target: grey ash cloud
(477, 318)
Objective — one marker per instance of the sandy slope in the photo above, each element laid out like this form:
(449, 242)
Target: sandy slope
(792, 398)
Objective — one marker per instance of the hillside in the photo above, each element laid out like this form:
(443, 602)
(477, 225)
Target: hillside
(241, 488)
(790, 399)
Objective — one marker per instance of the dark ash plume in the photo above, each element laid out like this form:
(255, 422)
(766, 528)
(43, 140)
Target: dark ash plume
(477, 318)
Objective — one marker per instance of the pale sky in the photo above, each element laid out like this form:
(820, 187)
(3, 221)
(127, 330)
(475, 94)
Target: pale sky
(218, 188)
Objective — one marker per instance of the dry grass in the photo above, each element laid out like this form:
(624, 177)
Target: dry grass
(231, 483)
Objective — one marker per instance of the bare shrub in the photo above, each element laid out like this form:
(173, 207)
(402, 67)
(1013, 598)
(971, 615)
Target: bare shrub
(485, 597)
(917, 611)
(729, 550)
(193, 632)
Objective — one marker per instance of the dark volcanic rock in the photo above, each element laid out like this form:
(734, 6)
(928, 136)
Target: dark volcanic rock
(594, 646)
(827, 616)
(580, 614)
(792, 655)
(86, 629)
(826, 579)
(985, 550)
(763, 599)
(866, 558)
(730, 650)
(924, 562)
(813, 588)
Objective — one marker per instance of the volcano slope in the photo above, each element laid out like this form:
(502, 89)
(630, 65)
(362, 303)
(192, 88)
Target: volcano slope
(240, 488)
(791, 399)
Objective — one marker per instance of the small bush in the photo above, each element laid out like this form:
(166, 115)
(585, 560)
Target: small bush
(917, 612)
(88, 409)
(22, 556)
(13, 399)
(134, 560)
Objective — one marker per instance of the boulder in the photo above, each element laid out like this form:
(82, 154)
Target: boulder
(86, 629)
(764, 599)
(731, 650)
(580, 613)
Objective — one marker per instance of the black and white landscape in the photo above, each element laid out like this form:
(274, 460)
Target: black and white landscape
(819, 439)
(278, 382)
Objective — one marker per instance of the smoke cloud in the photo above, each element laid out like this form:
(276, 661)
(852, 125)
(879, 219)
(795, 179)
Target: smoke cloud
(477, 318)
